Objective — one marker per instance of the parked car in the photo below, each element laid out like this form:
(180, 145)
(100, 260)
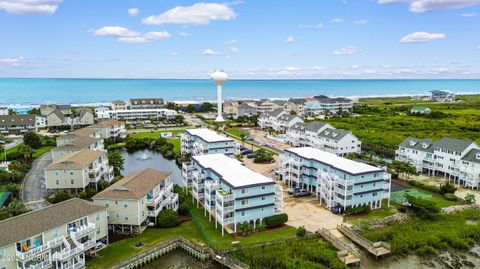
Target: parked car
(251, 155)
(248, 138)
(263, 144)
(300, 193)
(247, 151)
(292, 190)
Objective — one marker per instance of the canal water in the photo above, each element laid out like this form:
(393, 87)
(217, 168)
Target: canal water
(142, 159)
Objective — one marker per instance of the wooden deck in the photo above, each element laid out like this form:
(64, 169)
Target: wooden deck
(346, 254)
(378, 249)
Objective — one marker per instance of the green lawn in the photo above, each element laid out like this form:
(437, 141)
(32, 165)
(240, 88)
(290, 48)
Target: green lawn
(225, 242)
(11, 150)
(40, 151)
(384, 212)
(237, 132)
(156, 134)
(124, 249)
(398, 197)
(177, 147)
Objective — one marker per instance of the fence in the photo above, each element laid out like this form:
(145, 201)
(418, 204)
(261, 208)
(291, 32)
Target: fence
(203, 231)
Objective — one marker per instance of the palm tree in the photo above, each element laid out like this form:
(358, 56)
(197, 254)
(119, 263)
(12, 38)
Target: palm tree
(26, 151)
(242, 138)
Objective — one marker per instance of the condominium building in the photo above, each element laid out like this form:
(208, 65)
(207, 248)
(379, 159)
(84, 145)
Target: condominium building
(119, 105)
(110, 129)
(442, 96)
(76, 134)
(4, 111)
(454, 159)
(134, 202)
(78, 170)
(278, 120)
(58, 236)
(85, 142)
(18, 124)
(231, 193)
(85, 117)
(47, 109)
(321, 135)
(139, 114)
(146, 103)
(338, 183)
(204, 141)
(58, 119)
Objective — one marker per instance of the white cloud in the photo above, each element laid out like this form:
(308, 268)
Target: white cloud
(13, 61)
(234, 49)
(313, 26)
(337, 20)
(183, 34)
(360, 22)
(318, 68)
(420, 37)
(210, 52)
(348, 50)
(197, 14)
(30, 6)
(289, 39)
(469, 14)
(128, 36)
(420, 6)
(231, 42)
(174, 54)
(116, 31)
(133, 11)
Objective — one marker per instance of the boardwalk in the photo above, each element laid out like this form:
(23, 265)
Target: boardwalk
(378, 249)
(346, 254)
(199, 252)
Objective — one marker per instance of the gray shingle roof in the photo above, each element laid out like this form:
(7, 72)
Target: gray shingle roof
(471, 156)
(454, 144)
(314, 126)
(37, 221)
(334, 134)
(275, 113)
(298, 126)
(418, 144)
(8, 120)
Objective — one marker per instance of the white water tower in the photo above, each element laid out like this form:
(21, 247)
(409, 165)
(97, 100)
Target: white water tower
(219, 78)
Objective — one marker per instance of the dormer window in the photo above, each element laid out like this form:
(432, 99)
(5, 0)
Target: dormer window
(334, 134)
(424, 145)
(412, 143)
(478, 156)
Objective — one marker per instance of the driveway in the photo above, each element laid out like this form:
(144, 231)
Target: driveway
(33, 187)
(461, 192)
(307, 211)
(261, 137)
(15, 142)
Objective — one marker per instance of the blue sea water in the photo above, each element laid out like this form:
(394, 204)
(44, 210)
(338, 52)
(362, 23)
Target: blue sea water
(34, 91)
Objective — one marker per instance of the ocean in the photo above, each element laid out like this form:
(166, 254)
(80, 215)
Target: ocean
(34, 91)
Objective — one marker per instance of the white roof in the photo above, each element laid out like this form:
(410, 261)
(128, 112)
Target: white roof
(208, 135)
(231, 170)
(335, 161)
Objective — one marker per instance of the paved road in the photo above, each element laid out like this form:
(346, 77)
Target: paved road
(14, 143)
(33, 187)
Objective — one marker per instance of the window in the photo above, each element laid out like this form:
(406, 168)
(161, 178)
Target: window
(125, 205)
(126, 217)
(244, 213)
(57, 182)
(374, 194)
(106, 205)
(98, 230)
(245, 202)
(244, 191)
(71, 181)
(54, 233)
(116, 202)
(263, 187)
(97, 217)
(263, 198)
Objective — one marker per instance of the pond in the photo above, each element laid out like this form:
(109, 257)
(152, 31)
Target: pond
(142, 159)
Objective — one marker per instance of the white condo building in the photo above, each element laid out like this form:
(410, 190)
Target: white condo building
(138, 114)
(278, 120)
(339, 183)
(233, 194)
(454, 159)
(58, 236)
(321, 135)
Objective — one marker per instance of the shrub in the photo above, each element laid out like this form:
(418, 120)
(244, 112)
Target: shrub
(423, 208)
(91, 192)
(184, 208)
(358, 210)
(168, 218)
(245, 228)
(59, 197)
(83, 195)
(447, 188)
(276, 220)
(450, 197)
(470, 198)
(301, 231)
(32, 139)
(426, 250)
(17, 207)
(424, 186)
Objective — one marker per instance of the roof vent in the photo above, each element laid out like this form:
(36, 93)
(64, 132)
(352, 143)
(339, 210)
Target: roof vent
(478, 156)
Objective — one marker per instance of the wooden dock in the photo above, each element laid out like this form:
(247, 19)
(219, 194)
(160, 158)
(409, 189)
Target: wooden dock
(346, 254)
(378, 249)
(197, 251)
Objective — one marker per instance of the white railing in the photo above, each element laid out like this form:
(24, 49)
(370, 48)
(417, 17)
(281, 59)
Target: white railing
(32, 252)
(82, 230)
(88, 244)
(41, 265)
(77, 265)
(224, 197)
(66, 253)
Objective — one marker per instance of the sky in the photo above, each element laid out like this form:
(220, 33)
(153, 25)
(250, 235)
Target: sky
(258, 39)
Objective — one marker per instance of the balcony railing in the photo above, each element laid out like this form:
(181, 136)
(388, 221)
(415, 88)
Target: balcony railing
(32, 252)
(82, 230)
(41, 265)
(66, 253)
(77, 265)
(224, 196)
